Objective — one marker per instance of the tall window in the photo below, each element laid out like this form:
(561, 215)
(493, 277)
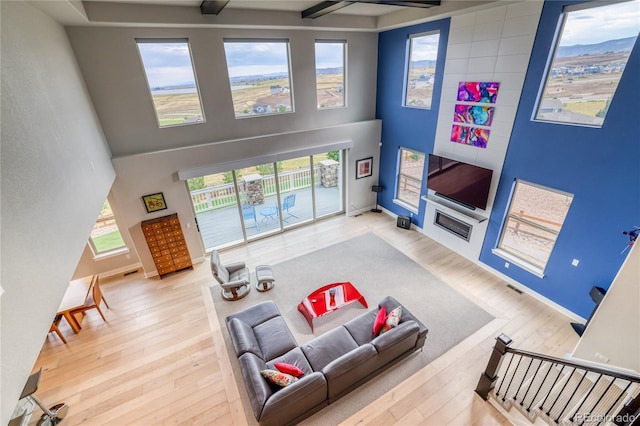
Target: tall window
(105, 236)
(259, 76)
(410, 177)
(172, 81)
(589, 59)
(421, 69)
(330, 72)
(532, 225)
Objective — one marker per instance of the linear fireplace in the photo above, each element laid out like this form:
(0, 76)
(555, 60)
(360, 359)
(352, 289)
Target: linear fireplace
(453, 225)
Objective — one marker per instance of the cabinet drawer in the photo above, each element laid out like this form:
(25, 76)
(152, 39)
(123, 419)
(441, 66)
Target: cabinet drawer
(163, 271)
(165, 264)
(180, 259)
(162, 259)
(183, 265)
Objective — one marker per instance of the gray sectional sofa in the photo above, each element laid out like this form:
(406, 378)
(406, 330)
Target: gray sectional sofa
(333, 363)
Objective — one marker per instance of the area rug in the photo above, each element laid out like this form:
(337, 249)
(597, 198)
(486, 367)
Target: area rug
(377, 270)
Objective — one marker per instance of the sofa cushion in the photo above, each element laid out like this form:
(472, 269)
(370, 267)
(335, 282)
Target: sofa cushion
(278, 377)
(258, 389)
(392, 320)
(243, 338)
(361, 328)
(291, 369)
(274, 338)
(346, 371)
(396, 342)
(379, 321)
(390, 303)
(294, 357)
(329, 346)
(257, 314)
(240, 275)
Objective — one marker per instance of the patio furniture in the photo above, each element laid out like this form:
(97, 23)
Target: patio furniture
(234, 278)
(249, 212)
(289, 201)
(264, 275)
(269, 212)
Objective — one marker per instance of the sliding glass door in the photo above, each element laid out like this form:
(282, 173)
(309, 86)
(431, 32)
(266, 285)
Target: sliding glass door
(241, 205)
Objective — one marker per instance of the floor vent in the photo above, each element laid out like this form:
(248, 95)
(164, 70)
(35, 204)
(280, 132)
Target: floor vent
(514, 289)
(130, 272)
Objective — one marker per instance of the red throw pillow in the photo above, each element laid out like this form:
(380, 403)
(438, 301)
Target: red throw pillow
(379, 322)
(283, 367)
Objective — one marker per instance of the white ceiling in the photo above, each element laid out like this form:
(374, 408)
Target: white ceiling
(279, 14)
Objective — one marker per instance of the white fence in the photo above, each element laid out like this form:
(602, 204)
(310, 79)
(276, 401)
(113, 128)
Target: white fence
(221, 196)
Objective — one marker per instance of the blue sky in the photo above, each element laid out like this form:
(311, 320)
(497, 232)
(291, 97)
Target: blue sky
(425, 47)
(595, 25)
(167, 64)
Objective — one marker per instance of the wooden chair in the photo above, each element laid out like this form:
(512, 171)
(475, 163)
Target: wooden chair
(93, 301)
(54, 328)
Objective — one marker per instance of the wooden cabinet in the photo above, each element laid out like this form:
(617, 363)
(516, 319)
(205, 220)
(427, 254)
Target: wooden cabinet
(166, 244)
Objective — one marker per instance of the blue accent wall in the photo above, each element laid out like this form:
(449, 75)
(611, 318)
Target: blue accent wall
(598, 165)
(410, 128)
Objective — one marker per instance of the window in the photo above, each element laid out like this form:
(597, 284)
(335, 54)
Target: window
(421, 70)
(410, 177)
(589, 59)
(259, 76)
(105, 236)
(532, 225)
(330, 81)
(172, 81)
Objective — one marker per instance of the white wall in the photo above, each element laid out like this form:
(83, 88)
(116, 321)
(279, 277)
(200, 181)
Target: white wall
(56, 173)
(111, 65)
(613, 330)
(157, 172)
(489, 45)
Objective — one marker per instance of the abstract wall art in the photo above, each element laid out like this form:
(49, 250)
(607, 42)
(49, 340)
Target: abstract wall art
(474, 136)
(478, 91)
(473, 114)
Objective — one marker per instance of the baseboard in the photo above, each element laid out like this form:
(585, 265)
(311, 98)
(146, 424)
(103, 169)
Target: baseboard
(121, 270)
(532, 293)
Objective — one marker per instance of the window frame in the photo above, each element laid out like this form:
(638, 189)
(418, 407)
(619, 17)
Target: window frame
(344, 72)
(185, 40)
(97, 254)
(414, 208)
(410, 39)
(508, 255)
(562, 21)
(287, 43)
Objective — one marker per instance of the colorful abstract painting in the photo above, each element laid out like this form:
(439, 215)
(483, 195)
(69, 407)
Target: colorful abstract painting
(473, 136)
(469, 114)
(476, 91)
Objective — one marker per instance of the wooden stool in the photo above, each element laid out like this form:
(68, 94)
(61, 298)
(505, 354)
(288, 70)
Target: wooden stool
(264, 275)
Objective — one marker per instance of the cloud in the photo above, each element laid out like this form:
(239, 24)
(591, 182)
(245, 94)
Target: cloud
(425, 47)
(250, 58)
(329, 55)
(598, 24)
(167, 64)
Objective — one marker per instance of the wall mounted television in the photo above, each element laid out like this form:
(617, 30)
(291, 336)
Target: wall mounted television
(459, 182)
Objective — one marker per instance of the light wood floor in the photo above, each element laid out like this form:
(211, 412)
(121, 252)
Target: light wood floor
(160, 357)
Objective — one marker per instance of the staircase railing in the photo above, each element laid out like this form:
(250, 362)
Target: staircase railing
(558, 390)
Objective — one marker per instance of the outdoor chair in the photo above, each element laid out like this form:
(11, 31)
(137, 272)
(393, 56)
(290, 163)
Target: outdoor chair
(249, 212)
(289, 201)
(234, 278)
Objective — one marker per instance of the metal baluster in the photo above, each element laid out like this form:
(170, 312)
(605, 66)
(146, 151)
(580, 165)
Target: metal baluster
(561, 391)
(606, 415)
(593, 386)
(524, 377)
(540, 387)
(512, 377)
(599, 399)
(505, 375)
(584, 375)
(552, 386)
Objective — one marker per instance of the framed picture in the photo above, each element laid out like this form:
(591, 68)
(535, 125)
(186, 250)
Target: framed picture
(364, 167)
(154, 202)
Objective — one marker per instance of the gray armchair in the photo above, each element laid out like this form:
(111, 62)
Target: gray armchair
(234, 278)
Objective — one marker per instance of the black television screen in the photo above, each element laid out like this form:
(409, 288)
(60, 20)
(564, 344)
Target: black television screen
(461, 182)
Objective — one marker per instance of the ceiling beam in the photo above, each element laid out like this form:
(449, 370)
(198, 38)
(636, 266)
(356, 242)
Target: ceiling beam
(324, 8)
(212, 7)
(405, 3)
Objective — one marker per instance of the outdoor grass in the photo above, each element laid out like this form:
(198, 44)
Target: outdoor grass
(589, 108)
(108, 241)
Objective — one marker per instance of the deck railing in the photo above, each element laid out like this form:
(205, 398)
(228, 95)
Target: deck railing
(222, 196)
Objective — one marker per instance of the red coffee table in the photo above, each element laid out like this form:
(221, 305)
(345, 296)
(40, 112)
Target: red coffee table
(328, 299)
